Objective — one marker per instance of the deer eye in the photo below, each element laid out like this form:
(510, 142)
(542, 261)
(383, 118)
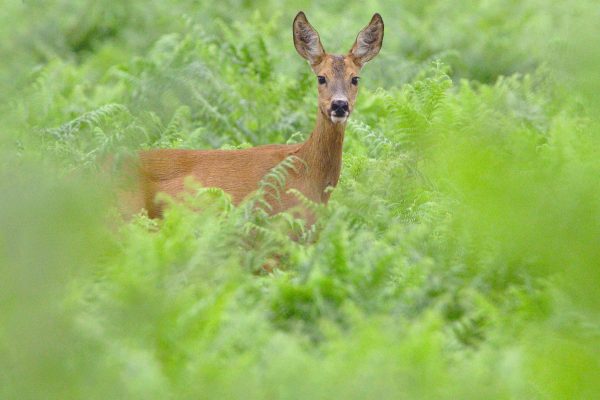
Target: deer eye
(355, 80)
(321, 80)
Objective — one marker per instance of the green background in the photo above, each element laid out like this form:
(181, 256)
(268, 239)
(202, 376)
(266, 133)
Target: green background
(458, 257)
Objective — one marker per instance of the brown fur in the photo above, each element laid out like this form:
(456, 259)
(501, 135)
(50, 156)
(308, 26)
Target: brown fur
(238, 172)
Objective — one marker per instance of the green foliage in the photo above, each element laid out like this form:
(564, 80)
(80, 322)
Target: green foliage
(457, 257)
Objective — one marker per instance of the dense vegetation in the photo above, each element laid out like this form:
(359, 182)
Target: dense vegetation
(458, 258)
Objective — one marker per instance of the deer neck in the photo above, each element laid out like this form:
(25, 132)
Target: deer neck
(322, 152)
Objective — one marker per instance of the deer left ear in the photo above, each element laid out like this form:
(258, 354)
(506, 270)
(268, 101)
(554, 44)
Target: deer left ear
(368, 42)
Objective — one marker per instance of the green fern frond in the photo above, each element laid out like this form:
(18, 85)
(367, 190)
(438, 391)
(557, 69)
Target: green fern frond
(92, 118)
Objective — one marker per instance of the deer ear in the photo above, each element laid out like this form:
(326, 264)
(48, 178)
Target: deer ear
(306, 40)
(368, 42)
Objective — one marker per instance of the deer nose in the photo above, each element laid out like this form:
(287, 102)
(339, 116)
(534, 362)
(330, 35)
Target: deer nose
(339, 107)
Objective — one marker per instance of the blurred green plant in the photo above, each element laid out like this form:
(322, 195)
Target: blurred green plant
(457, 257)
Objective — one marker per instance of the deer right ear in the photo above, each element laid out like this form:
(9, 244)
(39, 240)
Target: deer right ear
(306, 40)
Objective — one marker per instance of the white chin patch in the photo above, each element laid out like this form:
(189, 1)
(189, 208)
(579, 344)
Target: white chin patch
(338, 120)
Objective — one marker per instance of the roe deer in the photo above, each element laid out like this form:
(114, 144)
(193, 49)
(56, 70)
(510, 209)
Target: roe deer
(238, 172)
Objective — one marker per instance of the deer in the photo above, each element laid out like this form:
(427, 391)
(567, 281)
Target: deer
(239, 172)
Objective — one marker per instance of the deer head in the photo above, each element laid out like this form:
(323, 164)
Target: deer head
(337, 75)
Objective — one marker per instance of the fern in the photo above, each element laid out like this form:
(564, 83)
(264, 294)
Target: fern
(274, 181)
(462, 236)
(377, 143)
(69, 130)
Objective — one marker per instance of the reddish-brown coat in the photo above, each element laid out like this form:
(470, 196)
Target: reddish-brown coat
(238, 172)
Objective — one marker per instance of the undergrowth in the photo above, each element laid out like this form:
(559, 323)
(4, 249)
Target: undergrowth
(457, 258)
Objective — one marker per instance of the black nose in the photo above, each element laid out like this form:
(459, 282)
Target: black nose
(339, 107)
